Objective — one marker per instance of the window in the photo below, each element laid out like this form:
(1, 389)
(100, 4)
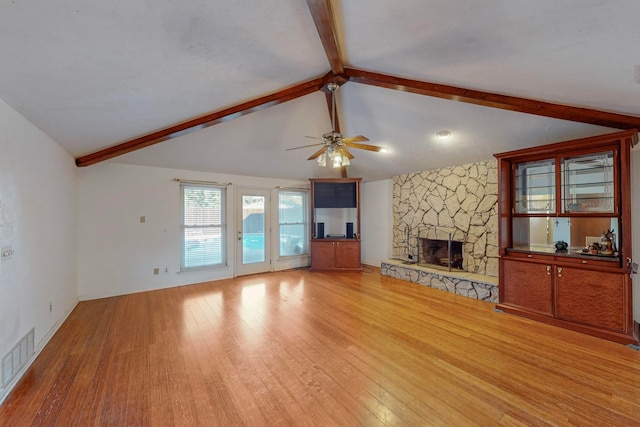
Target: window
(292, 217)
(204, 228)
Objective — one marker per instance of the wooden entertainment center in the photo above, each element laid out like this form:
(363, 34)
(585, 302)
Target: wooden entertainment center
(565, 234)
(335, 222)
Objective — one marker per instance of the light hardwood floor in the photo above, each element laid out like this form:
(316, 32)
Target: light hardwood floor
(300, 348)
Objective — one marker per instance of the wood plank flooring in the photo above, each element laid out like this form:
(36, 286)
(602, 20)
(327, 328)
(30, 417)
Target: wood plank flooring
(301, 348)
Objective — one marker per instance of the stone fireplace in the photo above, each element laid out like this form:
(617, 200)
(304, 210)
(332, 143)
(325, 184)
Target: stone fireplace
(447, 213)
(457, 204)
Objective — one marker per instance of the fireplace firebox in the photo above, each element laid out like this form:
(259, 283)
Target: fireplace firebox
(441, 253)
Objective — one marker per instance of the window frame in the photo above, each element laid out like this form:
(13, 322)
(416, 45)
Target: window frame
(304, 223)
(222, 226)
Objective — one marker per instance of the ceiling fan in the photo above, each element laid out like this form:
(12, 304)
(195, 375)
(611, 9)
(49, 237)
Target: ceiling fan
(334, 145)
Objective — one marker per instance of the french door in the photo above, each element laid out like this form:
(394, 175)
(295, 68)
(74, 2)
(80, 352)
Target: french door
(253, 237)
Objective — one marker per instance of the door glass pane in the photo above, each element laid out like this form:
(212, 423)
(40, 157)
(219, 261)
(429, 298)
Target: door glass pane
(253, 226)
(535, 185)
(587, 183)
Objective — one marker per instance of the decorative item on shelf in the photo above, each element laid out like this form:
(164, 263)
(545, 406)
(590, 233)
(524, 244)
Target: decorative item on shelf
(607, 242)
(594, 248)
(561, 246)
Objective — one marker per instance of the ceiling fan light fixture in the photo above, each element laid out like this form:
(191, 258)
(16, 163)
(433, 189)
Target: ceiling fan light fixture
(334, 150)
(336, 160)
(322, 160)
(345, 160)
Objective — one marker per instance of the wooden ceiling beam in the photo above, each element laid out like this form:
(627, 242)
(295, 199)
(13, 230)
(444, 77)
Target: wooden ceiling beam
(329, 102)
(488, 99)
(323, 18)
(210, 119)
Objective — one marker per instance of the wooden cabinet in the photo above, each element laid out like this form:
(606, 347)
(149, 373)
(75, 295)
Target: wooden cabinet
(581, 295)
(347, 254)
(335, 222)
(591, 297)
(335, 254)
(527, 285)
(323, 255)
(564, 234)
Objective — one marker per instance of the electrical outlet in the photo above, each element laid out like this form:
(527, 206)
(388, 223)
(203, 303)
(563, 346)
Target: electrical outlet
(143, 219)
(156, 271)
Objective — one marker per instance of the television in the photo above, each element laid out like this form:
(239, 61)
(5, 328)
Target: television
(335, 195)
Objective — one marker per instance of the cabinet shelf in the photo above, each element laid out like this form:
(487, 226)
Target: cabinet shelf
(549, 188)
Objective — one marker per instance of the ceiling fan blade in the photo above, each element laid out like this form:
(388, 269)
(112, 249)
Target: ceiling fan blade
(304, 146)
(363, 146)
(312, 137)
(358, 138)
(317, 153)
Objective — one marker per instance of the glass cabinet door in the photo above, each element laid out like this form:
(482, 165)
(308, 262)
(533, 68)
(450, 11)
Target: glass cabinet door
(535, 187)
(588, 183)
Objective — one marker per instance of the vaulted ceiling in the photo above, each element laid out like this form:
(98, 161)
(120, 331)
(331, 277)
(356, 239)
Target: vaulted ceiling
(229, 86)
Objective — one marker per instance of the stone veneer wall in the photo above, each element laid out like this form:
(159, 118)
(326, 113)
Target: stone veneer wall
(461, 200)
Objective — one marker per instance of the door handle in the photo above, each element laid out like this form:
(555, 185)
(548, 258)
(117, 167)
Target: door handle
(559, 271)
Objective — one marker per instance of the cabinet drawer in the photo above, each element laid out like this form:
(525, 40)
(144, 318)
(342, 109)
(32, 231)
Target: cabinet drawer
(591, 262)
(530, 255)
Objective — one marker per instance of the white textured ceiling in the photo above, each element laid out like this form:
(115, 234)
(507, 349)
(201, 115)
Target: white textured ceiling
(92, 74)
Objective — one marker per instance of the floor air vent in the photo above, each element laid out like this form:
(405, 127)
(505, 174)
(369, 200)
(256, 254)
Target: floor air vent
(13, 361)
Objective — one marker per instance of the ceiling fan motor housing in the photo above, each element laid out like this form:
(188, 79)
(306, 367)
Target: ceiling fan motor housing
(332, 137)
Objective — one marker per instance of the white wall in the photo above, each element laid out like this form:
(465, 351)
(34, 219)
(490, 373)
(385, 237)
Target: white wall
(377, 221)
(117, 253)
(635, 226)
(38, 195)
